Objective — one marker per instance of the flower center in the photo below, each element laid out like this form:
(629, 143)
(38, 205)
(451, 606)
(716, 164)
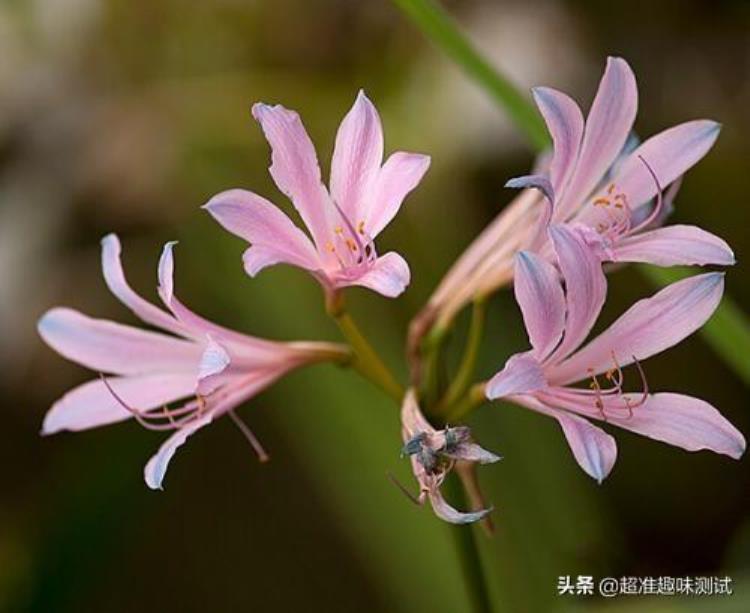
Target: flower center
(612, 396)
(351, 245)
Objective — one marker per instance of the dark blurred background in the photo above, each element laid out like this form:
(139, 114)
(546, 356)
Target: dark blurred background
(126, 116)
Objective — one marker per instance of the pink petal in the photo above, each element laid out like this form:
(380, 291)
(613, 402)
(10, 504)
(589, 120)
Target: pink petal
(214, 361)
(447, 513)
(118, 285)
(594, 450)
(199, 328)
(647, 328)
(669, 154)
(585, 286)
(400, 174)
(674, 245)
(607, 127)
(539, 182)
(158, 464)
(521, 374)
(683, 421)
(273, 236)
(295, 168)
(110, 347)
(565, 123)
(389, 276)
(540, 296)
(357, 156)
(412, 420)
(91, 404)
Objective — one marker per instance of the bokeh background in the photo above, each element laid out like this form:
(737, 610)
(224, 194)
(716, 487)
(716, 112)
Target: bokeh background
(126, 116)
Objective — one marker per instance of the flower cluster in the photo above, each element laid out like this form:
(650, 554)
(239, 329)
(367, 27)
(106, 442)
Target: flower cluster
(599, 198)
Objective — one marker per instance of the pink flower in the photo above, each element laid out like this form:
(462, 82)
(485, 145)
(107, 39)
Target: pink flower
(365, 194)
(558, 322)
(595, 181)
(433, 454)
(217, 368)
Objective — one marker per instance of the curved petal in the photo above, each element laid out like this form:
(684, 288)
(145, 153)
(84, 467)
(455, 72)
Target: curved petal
(400, 174)
(607, 127)
(648, 327)
(91, 404)
(294, 168)
(110, 347)
(670, 154)
(521, 374)
(157, 466)
(273, 236)
(214, 361)
(673, 246)
(539, 182)
(357, 156)
(389, 276)
(447, 513)
(585, 286)
(683, 421)
(114, 277)
(565, 124)
(594, 449)
(539, 294)
(412, 420)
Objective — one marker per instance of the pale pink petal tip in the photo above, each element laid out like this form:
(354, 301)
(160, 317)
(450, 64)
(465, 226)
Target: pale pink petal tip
(156, 468)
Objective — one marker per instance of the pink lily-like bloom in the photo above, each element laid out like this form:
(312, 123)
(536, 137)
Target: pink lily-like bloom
(216, 368)
(593, 181)
(558, 321)
(365, 194)
(433, 454)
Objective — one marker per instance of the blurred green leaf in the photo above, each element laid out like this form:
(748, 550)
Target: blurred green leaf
(437, 25)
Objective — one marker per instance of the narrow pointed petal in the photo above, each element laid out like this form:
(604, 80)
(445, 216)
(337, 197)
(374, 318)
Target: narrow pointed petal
(521, 374)
(389, 276)
(565, 124)
(673, 246)
(273, 236)
(539, 294)
(471, 452)
(294, 168)
(110, 347)
(214, 361)
(447, 513)
(157, 466)
(412, 420)
(198, 328)
(670, 154)
(539, 182)
(650, 326)
(585, 285)
(114, 277)
(400, 174)
(682, 421)
(607, 127)
(357, 156)
(594, 449)
(91, 404)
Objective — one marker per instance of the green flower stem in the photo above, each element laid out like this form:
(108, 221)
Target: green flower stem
(438, 26)
(366, 361)
(471, 400)
(468, 553)
(463, 377)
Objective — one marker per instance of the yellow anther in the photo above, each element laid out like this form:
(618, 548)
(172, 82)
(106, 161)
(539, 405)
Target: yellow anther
(351, 244)
(338, 230)
(601, 202)
(361, 227)
(330, 247)
(611, 188)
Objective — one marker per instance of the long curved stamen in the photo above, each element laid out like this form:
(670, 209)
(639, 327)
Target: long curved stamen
(140, 416)
(598, 402)
(659, 199)
(254, 442)
(404, 491)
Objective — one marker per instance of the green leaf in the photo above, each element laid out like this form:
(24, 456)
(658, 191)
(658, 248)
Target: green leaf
(437, 25)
